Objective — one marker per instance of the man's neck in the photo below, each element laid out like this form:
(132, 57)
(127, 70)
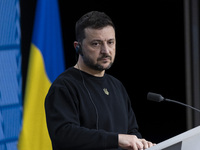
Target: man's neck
(90, 71)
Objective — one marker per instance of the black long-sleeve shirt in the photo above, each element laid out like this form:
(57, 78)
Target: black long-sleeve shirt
(88, 112)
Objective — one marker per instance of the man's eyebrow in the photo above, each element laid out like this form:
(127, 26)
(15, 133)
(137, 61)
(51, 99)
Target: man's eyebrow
(98, 40)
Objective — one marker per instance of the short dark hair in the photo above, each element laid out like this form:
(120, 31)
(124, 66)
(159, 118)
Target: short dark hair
(94, 20)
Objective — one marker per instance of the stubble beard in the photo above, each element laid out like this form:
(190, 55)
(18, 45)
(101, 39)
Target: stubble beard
(88, 62)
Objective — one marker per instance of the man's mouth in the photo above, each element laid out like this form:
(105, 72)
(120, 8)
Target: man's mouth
(105, 58)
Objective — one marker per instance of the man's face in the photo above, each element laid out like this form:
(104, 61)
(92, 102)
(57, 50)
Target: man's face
(98, 48)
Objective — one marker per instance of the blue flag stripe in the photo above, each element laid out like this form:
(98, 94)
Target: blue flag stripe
(47, 37)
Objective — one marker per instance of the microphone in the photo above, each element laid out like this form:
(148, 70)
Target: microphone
(159, 98)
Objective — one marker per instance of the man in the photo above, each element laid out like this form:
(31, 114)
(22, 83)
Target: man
(85, 107)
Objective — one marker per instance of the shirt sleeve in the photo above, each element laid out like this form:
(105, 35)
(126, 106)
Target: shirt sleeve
(133, 126)
(62, 115)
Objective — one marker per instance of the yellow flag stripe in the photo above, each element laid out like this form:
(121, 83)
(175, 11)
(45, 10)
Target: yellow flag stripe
(34, 120)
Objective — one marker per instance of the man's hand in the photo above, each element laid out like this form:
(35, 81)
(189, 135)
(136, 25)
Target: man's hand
(131, 142)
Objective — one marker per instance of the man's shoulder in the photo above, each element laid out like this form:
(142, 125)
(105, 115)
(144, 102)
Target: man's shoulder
(113, 79)
(69, 75)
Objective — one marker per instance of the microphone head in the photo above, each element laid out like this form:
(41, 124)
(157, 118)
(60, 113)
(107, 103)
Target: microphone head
(155, 97)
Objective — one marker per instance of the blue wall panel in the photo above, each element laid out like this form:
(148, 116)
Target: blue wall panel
(9, 22)
(10, 75)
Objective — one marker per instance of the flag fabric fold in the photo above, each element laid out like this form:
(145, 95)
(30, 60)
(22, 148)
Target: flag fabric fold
(46, 62)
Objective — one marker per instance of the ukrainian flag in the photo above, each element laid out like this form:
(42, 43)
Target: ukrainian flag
(46, 62)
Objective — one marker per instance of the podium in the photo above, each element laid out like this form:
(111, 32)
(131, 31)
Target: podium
(189, 140)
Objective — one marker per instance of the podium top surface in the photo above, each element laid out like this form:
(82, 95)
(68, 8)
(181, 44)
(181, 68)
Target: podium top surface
(185, 136)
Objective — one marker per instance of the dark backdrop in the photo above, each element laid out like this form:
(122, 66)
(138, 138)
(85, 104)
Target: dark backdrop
(150, 55)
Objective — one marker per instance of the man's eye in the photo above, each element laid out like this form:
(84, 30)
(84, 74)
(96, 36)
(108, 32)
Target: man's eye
(95, 43)
(111, 42)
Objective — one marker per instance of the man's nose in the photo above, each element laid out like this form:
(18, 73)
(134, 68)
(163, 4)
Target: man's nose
(105, 48)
